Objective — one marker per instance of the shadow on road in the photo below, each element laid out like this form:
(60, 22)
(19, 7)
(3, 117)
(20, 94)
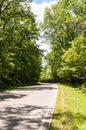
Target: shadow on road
(39, 87)
(8, 95)
(21, 116)
(14, 118)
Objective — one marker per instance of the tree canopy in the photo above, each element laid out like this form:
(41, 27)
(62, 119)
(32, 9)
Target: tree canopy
(20, 56)
(65, 29)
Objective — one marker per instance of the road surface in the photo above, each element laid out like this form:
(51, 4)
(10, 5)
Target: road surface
(28, 108)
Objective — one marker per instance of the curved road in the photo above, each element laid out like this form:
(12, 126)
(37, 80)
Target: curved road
(28, 108)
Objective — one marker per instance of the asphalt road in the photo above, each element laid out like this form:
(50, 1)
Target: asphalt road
(28, 108)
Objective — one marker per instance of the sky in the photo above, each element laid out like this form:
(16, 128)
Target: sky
(38, 8)
(41, 1)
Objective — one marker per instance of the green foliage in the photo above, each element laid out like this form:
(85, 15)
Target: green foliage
(75, 58)
(46, 74)
(20, 57)
(65, 29)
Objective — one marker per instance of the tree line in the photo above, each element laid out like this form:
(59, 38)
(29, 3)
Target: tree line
(65, 30)
(20, 56)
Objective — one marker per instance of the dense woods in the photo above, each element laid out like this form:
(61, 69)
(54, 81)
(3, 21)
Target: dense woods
(20, 57)
(65, 30)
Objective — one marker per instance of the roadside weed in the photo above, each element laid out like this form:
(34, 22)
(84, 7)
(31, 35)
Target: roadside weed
(70, 112)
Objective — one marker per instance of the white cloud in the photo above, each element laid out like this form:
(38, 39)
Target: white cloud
(38, 9)
(44, 46)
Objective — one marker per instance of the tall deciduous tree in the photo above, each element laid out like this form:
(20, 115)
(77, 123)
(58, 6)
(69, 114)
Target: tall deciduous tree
(20, 57)
(65, 29)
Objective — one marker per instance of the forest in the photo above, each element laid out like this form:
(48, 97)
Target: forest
(20, 56)
(64, 30)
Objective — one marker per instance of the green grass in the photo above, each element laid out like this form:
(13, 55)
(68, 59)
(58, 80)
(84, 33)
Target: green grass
(70, 112)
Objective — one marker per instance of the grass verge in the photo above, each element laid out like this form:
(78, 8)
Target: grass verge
(70, 112)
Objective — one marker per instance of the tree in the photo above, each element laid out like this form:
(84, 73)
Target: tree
(75, 60)
(20, 57)
(64, 25)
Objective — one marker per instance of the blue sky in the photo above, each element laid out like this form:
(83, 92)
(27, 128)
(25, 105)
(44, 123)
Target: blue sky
(41, 1)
